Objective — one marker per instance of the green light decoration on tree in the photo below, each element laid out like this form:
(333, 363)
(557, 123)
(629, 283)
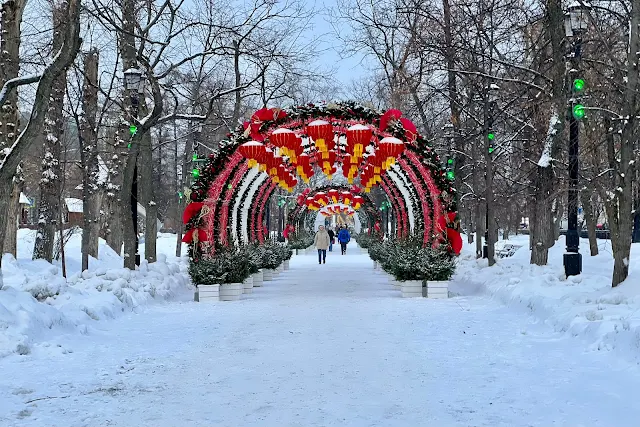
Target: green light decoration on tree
(578, 85)
(579, 111)
(195, 173)
(450, 162)
(133, 129)
(491, 150)
(451, 175)
(491, 136)
(194, 157)
(230, 186)
(180, 195)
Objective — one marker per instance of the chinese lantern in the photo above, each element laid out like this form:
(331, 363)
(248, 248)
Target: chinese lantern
(390, 148)
(254, 151)
(357, 202)
(346, 197)
(321, 198)
(358, 137)
(283, 139)
(321, 132)
(333, 195)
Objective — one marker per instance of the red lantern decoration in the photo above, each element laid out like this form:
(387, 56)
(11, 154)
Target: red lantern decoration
(254, 151)
(358, 137)
(333, 195)
(322, 134)
(321, 198)
(390, 148)
(284, 139)
(357, 201)
(346, 197)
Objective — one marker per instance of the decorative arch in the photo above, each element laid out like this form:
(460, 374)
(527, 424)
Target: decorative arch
(280, 148)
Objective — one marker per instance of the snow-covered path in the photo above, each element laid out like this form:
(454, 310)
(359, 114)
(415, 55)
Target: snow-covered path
(322, 345)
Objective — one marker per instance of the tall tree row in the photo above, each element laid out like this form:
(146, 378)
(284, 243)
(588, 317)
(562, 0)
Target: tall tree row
(503, 67)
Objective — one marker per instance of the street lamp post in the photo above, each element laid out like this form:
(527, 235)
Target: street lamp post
(576, 22)
(134, 84)
(489, 135)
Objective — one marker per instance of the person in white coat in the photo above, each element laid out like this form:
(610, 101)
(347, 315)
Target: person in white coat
(321, 241)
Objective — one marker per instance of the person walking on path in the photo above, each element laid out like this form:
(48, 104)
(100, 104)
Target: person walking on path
(332, 236)
(344, 237)
(321, 242)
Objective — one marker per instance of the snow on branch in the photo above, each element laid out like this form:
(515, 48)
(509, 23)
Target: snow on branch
(10, 85)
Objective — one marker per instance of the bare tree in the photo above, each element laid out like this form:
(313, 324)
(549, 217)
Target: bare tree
(51, 181)
(62, 58)
(9, 118)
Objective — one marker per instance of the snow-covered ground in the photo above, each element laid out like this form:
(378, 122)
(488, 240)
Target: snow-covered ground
(322, 345)
(37, 303)
(584, 306)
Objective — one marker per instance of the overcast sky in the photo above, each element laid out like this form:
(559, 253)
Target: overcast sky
(347, 69)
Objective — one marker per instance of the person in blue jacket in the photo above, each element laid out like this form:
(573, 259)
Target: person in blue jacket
(344, 237)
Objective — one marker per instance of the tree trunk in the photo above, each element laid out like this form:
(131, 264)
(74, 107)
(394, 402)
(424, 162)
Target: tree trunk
(113, 230)
(9, 117)
(51, 181)
(542, 237)
(181, 189)
(186, 178)
(147, 200)
(540, 223)
(587, 209)
(557, 219)
(11, 239)
(129, 60)
(89, 158)
(619, 206)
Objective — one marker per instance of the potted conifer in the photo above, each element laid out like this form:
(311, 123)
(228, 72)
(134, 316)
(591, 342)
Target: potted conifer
(227, 268)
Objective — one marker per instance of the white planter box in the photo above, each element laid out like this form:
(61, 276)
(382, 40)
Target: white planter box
(438, 289)
(257, 279)
(208, 293)
(231, 291)
(411, 288)
(280, 269)
(286, 264)
(375, 265)
(248, 285)
(267, 274)
(394, 282)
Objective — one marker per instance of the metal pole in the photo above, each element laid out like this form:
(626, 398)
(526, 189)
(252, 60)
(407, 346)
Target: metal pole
(134, 186)
(572, 260)
(485, 247)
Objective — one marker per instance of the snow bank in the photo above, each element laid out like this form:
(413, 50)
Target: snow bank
(37, 303)
(584, 306)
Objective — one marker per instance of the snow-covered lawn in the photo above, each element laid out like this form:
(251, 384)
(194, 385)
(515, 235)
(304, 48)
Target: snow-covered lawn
(37, 303)
(584, 306)
(322, 345)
